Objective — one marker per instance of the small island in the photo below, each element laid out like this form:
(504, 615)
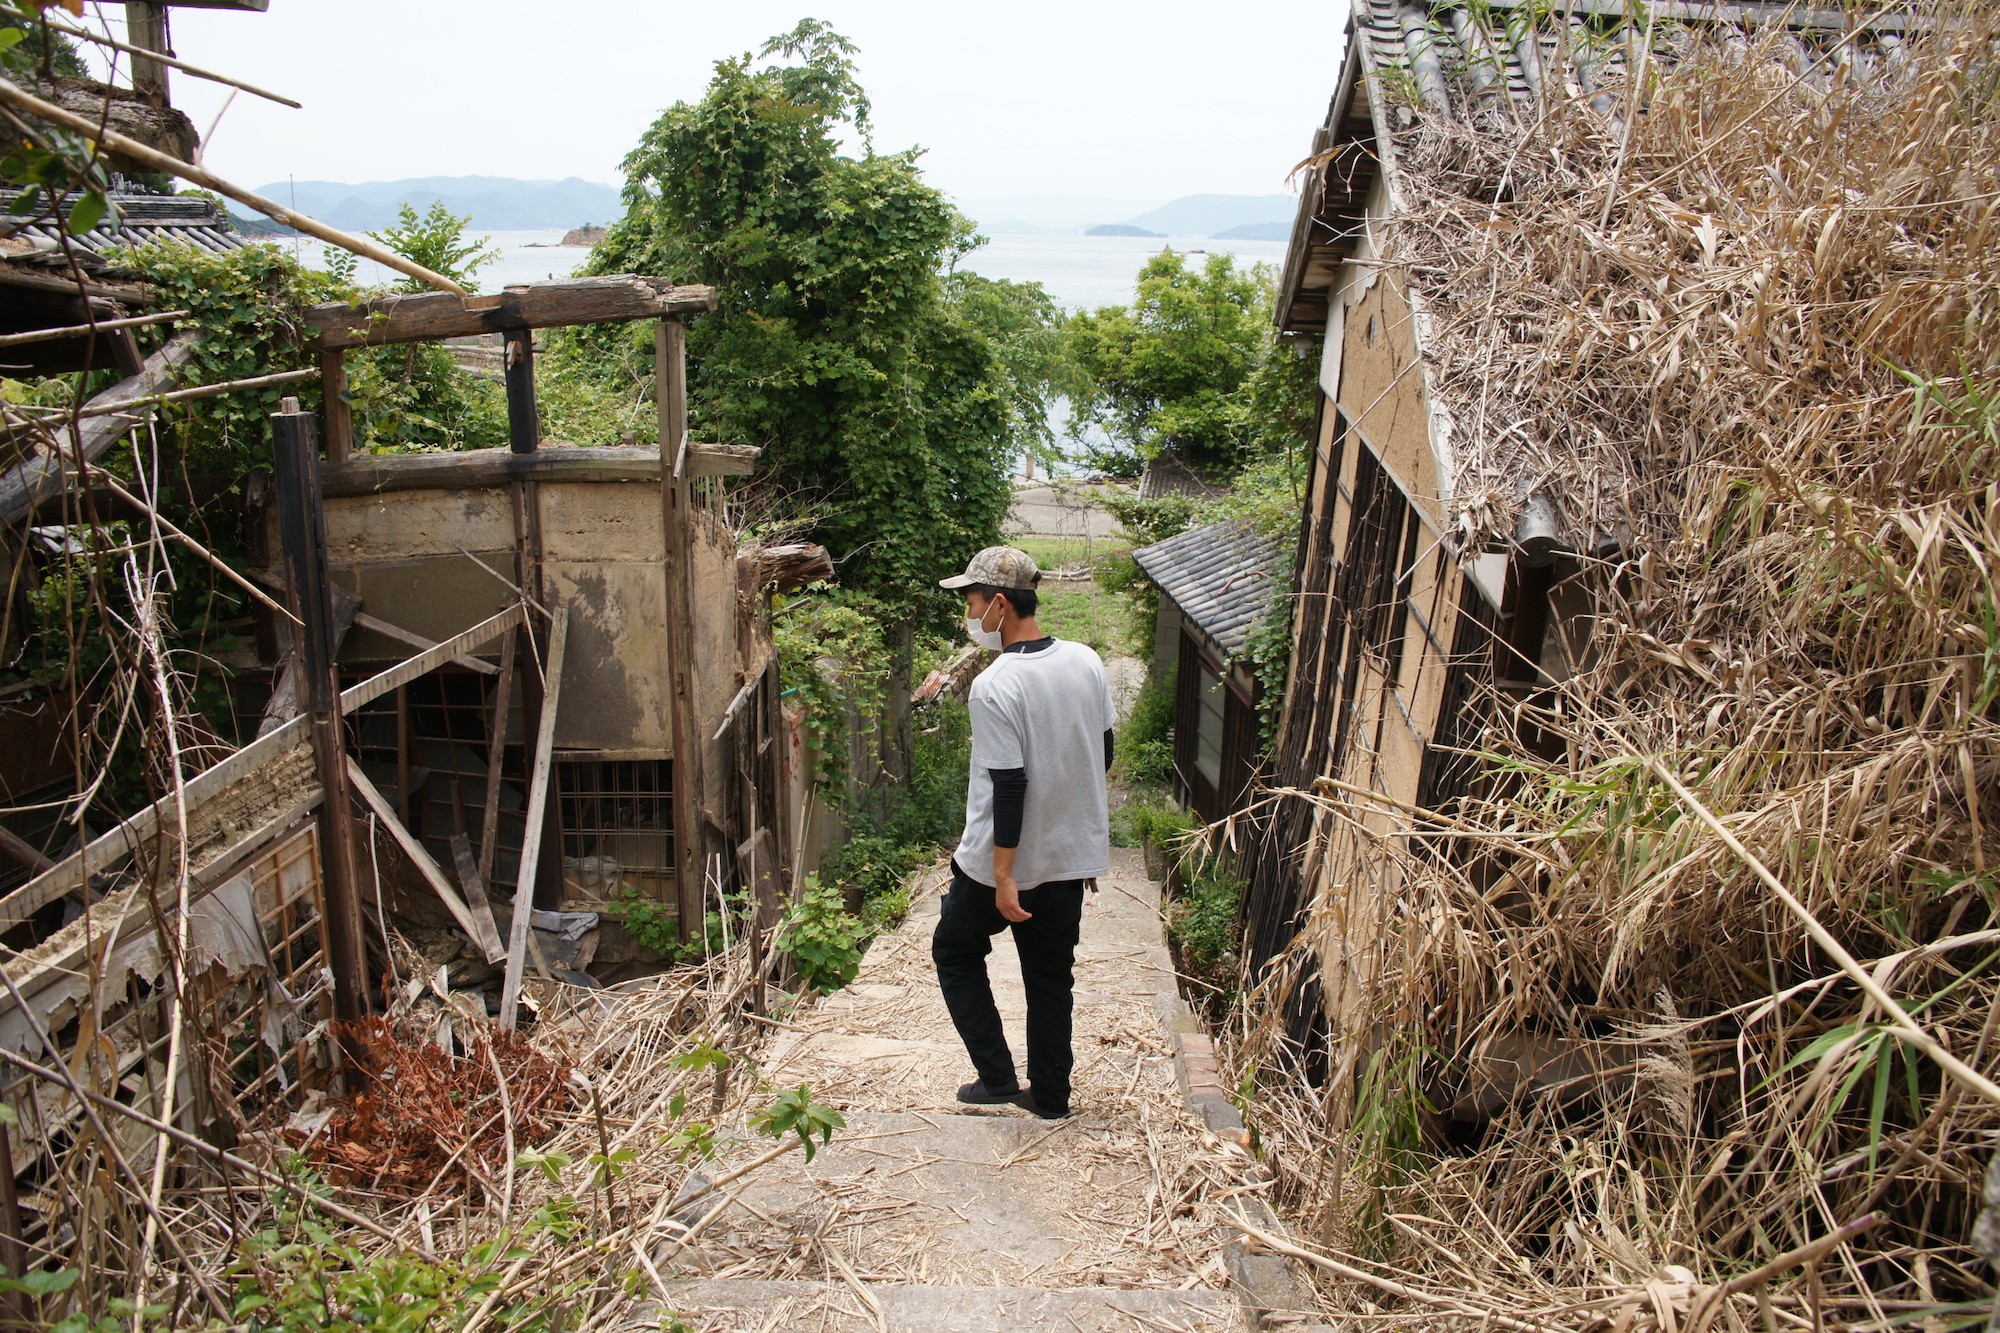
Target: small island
(588, 234)
(1121, 229)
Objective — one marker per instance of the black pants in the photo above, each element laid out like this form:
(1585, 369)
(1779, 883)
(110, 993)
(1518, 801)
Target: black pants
(1046, 942)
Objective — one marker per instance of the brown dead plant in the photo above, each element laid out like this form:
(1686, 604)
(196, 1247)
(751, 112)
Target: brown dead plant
(1757, 347)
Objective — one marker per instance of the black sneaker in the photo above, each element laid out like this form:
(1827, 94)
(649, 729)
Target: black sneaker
(1026, 1101)
(976, 1093)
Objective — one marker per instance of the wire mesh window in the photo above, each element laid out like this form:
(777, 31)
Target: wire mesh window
(618, 827)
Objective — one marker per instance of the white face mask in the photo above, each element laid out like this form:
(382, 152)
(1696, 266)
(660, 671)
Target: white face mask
(975, 629)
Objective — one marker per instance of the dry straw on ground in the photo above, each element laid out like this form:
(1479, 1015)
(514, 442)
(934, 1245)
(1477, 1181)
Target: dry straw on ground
(1759, 342)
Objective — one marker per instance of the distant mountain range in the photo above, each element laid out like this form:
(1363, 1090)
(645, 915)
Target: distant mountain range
(1226, 217)
(495, 203)
(498, 203)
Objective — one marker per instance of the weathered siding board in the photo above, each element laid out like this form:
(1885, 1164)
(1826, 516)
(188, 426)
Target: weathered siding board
(601, 556)
(1382, 392)
(403, 553)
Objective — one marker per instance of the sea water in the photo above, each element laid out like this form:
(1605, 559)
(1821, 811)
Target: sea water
(1080, 272)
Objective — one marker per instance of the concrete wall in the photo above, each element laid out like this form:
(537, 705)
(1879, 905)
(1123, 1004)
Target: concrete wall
(415, 557)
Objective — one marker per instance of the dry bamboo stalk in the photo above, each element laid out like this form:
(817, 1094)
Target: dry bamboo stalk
(155, 160)
(1912, 1031)
(1486, 1314)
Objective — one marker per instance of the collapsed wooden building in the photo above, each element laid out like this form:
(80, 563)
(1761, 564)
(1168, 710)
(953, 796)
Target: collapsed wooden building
(539, 682)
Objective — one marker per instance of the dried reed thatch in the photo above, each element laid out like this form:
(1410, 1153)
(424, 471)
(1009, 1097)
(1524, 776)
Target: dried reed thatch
(1755, 332)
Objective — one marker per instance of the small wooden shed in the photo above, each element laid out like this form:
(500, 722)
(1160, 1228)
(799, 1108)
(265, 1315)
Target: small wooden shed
(1215, 586)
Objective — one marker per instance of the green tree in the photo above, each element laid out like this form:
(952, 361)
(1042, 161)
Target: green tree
(1169, 371)
(437, 241)
(891, 395)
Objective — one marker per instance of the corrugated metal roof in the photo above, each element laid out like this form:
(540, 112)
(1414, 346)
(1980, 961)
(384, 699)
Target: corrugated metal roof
(1222, 577)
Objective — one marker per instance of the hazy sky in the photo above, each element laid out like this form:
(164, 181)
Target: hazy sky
(1020, 97)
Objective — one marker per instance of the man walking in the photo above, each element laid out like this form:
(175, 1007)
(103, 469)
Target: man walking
(1037, 828)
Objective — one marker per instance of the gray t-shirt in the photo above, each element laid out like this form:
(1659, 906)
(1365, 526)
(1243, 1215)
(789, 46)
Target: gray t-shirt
(1046, 712)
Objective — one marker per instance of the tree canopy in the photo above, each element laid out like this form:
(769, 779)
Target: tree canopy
(1175, 369)
(892, 396)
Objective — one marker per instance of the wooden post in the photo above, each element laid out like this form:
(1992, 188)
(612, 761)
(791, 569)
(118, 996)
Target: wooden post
(542, 771)
(146, 25)
(496, 751)
(302, 531)
(524, 427)
(339, 416)
(670, 372)
(13, 1254)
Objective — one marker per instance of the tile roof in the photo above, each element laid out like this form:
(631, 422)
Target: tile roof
(1455, 52)
(1222, 577)
(145, 218)
(1169, 474)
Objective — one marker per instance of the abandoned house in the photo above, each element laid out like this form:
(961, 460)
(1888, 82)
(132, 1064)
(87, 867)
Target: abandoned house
(1216, 583)
(1438, 593)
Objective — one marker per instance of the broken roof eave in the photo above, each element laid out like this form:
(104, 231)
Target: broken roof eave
(1437, 421)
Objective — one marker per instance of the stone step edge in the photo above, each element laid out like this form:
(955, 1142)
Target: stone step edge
(1272, 1288)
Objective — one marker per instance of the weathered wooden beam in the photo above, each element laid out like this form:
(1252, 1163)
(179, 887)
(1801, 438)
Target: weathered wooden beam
(54, 284)
(368, 691)
(484, 933)
(723, 460)
(41, 478)
(371, 474)
(377, 625)
(531, 843)
(302, 530)
(146, 24)
(69, 874)
(335, 408)
(542, 305)
(22, 852)
(524, 420)
(474, 885)
(670, 392)
(496, 753)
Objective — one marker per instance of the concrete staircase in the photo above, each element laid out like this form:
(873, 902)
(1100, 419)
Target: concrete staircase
(927, 1217)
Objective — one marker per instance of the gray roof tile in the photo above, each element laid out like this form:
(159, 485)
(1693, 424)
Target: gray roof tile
(1222, 577)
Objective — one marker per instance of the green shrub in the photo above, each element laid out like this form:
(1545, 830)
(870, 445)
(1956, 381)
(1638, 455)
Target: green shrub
(1145, 741)
(821, 938)
(1204, 927)
(875, 866)
(1152, 820)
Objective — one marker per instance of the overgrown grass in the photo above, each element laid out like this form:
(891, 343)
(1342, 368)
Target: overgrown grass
(1085, 613)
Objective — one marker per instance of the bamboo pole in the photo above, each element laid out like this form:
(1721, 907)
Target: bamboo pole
(172, 62)
(83, 330)
(155, 160)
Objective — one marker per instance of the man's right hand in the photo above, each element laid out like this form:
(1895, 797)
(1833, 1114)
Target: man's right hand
(1007, 897)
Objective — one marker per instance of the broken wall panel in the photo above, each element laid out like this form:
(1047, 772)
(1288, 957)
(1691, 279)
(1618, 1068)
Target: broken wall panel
(601, 557)
(413, 557)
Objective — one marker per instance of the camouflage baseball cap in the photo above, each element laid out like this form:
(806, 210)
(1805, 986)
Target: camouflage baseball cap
(997, 567)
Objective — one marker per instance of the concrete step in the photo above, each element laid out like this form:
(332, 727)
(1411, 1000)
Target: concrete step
(1001, 1199)
(838, 1305)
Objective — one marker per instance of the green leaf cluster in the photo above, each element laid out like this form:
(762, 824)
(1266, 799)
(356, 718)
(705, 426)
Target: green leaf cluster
(835, 664)
(892, 395)
(821, 938)
(436, 240)
(795, 1112)
(1177, 368)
